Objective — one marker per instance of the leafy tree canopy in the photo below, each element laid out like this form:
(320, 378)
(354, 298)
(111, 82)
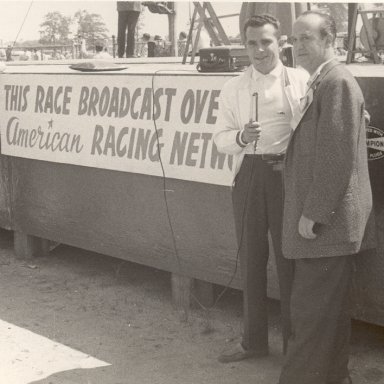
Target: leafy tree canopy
(90, 26)
(55, 28)
(339, 11)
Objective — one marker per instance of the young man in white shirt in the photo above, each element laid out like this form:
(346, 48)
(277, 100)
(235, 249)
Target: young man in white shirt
(258, 145)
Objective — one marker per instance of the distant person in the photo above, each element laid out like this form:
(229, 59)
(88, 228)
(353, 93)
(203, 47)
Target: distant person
(8, 53)
(57, 55)
(286, 51)
(182, 36)
(283, 42)
(35, 55)
(26, 56)
(128, 15)
(159, 46)
(142, 46)
(101, 53)
(181, 43)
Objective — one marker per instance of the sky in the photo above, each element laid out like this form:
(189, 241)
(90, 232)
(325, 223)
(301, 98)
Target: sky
(12, 14)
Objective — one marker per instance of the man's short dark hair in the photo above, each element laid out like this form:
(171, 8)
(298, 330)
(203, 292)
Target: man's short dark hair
(261, 20)
(328, 25)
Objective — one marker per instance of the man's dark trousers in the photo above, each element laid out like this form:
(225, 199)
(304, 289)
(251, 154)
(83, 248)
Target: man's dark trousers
(258, 207)
(127, 21)
(320, 311)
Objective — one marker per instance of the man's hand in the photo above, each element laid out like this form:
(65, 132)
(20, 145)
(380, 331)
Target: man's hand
(306, 228)
(251, 132)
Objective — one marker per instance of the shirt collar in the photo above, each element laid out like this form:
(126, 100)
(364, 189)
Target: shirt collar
(276, 72)
(316, 74)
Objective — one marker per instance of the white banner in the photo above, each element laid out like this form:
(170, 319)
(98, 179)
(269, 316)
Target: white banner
(105, 121)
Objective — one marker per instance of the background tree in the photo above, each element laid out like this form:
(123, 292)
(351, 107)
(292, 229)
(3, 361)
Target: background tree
(339, 11)
(140, 24)
(91, 27)
(55, 28)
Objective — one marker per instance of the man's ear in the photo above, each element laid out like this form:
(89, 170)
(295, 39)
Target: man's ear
(329, 41)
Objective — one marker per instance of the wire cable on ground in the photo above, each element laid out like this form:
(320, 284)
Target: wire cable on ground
(174, 243)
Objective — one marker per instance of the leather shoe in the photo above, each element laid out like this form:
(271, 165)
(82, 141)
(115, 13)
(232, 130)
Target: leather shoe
(238, 353)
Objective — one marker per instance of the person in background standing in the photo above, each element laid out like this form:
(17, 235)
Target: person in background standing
(101, 53)
(8, 53)
(128, 15)
(181, 43)
(142, 45)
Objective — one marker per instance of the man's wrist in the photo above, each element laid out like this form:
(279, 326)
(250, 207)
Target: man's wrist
(239, 139)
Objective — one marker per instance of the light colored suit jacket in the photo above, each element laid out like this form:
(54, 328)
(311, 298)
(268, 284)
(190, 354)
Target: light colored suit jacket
(234, 104)
(326, 170)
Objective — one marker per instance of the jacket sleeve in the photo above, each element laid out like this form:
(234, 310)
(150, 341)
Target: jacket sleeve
(226, 128)
(338, 127)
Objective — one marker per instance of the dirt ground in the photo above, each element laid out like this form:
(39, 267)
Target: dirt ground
(121, 313)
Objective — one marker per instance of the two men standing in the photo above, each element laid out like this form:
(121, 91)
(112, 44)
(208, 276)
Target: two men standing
(327, 195)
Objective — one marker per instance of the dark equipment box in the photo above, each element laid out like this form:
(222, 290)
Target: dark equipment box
(232, 58)
(225, 58)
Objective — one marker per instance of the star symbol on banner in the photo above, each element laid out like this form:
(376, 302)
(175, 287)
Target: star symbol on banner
(50, 123)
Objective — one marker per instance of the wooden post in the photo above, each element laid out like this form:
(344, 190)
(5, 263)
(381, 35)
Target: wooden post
(189, 38)
(203, 290)
(352, 20)
(172, 30)
(28, 246)
(181, 293)
(113, 46)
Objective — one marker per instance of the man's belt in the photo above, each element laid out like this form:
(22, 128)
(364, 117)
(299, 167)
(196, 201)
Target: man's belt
(269, 157)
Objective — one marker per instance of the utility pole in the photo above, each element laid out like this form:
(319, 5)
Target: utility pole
(172, 33)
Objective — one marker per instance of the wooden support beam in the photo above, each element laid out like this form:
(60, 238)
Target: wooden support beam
(189, 38)
(217, 24)
(172, 30)
(203, 292)
(352, 20)
(28, 246)
(208, 26)
(181, 293)
(372, 45)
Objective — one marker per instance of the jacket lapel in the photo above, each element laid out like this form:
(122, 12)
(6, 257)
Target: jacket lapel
(328, 67)
(306, 102)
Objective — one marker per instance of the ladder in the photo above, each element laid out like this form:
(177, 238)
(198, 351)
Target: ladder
(210, 21)
(355, 11)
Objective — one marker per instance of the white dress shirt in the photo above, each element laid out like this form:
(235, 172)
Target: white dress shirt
(274, 112)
